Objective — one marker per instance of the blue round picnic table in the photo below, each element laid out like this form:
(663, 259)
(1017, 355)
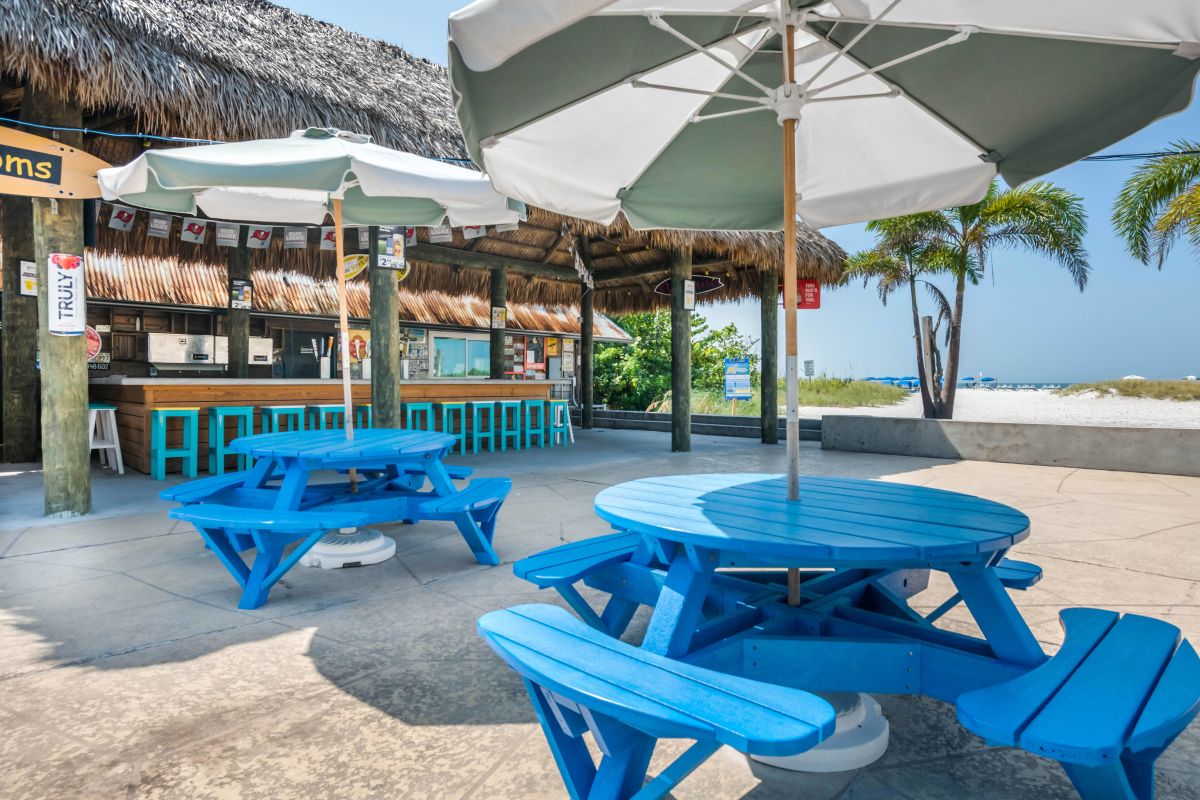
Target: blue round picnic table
(838, 522)
(716, 546)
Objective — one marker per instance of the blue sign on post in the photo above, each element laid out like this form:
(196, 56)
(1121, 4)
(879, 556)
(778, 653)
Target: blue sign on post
(737, 379)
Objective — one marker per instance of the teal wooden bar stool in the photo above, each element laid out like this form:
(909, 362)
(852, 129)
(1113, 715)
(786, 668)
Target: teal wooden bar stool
(364, 416)
(189, 447)
(458, 431)
(558, 413)
(413, 411)
(481, 409)
(275, 417)
(322, 416)
(510, 424)
(217, 451)
(535, 422)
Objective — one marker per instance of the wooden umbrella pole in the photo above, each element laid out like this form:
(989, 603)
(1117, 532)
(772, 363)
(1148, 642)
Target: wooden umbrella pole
(789, 279)
(789, 302)
(344, 326)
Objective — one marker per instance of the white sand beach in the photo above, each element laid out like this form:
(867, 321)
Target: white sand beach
(998, 405)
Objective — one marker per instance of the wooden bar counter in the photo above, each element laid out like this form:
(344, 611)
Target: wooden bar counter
(135, 398)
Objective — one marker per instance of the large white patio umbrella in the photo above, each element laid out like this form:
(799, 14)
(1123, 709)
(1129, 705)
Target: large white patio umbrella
(304, 178)
(727, 114)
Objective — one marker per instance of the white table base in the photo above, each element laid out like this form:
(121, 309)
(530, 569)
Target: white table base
(860, 739)
(350, 547)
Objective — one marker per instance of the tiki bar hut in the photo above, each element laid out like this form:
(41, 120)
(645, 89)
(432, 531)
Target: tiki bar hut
(113, 77)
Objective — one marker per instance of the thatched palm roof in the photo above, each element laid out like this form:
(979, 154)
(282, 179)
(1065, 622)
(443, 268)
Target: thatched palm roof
(223, 69)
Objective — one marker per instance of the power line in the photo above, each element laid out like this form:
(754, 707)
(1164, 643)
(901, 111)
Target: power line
(1141, 156)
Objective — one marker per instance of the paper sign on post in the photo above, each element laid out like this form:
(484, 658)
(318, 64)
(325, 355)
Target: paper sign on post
(29, 281)
(66, 302)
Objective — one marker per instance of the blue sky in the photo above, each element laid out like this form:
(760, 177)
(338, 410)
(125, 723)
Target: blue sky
(1026, 322)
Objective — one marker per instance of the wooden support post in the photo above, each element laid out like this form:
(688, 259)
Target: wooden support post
(237, 264)
(499, 288)
(385, 341)
(58, 228)
(587, 321)
(769, 380)
(681, 354)
(19, 317)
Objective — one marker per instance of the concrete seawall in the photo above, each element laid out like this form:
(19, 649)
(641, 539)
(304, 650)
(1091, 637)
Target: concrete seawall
(1169, 451)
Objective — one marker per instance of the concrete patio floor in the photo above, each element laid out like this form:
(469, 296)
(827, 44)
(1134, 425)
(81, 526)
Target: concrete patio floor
(127, 671)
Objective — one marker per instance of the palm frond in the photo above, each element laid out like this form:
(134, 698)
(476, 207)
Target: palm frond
(1151, 188)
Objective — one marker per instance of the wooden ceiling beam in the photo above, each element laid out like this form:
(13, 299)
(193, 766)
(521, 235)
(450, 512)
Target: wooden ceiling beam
(476, 260)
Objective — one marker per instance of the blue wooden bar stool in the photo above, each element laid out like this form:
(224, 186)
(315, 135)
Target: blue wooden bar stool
(449, 412)
(413, 411)
(326, 415)
(188, 449)
(558, 413)
(510, 423)
(217, 417)
(535, 422)
(364, 416)
(275, 417)
(481, 409)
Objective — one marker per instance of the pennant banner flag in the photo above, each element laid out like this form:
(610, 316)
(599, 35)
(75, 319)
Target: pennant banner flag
(193, 230)
(364, 238)
(506, 226)
(227, 234)
(160, 225)
(410, 237)
(122, 218)
(295, 238)
(328, 241)
(474, 231)
(258, 237)
(441, 234)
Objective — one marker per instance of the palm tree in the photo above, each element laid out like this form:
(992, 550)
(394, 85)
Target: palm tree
(900, 260)
(1160, 203)
(1039, 217)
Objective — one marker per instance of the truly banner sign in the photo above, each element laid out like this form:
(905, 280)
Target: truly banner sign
(66, 303)
(33, 166)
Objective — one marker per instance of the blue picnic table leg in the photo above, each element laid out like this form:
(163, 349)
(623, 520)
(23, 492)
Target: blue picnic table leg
(219, 543)
(618, 612)
(270, 551)
(1109, 782)
(627, 754)
(564, 733)
(997, 616)
(478, 538)
(295, 481)
(681, 602)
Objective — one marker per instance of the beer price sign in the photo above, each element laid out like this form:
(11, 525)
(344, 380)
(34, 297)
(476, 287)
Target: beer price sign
(33, 166)
(65, 299)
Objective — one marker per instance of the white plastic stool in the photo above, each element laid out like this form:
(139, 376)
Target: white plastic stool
(102, 435)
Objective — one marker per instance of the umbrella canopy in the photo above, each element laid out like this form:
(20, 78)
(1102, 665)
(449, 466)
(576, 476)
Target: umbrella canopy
(311, 174)
(669, 110)
(727, 114)
(295, 179)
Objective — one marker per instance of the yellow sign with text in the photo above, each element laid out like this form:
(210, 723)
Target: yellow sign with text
(32, 166)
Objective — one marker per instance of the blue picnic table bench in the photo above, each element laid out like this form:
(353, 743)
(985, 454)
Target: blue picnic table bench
(710, 555)
(400, 478)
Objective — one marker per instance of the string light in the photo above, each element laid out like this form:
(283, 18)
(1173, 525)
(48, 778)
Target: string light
(157, 138)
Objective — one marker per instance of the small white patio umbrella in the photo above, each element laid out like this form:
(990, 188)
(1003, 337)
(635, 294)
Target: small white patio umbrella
(304, 178)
